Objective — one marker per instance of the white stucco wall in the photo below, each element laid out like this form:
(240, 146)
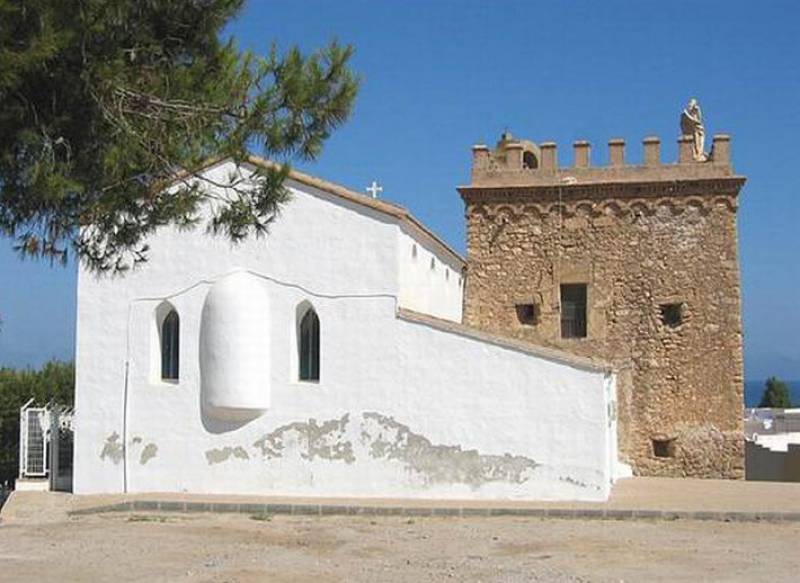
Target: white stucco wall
(431, 281)
(403, 408)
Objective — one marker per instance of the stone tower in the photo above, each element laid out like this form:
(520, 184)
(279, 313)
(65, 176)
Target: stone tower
(635, 265)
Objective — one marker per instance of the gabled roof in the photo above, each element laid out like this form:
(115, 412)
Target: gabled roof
(387, 208)
(393, 210)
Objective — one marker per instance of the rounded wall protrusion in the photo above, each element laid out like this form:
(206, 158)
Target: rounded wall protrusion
(235, 349)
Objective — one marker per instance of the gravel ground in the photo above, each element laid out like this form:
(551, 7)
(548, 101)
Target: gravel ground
(218, 547)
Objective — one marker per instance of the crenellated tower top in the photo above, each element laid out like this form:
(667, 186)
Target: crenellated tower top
(515, 162)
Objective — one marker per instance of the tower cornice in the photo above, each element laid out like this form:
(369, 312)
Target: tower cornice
(597, 190)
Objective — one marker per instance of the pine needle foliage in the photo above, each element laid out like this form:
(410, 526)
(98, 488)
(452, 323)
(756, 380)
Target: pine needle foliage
(104, 102)
(776, 394)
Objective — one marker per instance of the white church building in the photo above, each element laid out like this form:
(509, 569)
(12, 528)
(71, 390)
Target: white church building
(325, 359)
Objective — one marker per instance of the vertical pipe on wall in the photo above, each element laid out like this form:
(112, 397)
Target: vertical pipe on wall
(125, 431)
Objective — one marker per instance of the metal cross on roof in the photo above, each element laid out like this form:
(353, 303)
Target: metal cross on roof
(374, 189)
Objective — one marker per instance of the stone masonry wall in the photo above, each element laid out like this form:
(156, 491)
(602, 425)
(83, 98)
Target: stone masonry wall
(637, 247)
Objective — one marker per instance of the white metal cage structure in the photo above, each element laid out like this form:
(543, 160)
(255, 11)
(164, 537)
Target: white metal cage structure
(33, 427)
(45, 445)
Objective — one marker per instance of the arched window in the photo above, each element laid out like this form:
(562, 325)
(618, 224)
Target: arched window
(529, 161)
(308, 345)
(170, 346)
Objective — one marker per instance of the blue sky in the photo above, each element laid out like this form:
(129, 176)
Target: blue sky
(440, 76)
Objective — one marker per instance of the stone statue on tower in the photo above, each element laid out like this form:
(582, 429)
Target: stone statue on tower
(692, 126)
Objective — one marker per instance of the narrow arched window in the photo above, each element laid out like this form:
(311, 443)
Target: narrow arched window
(309, 346)
(170, 346)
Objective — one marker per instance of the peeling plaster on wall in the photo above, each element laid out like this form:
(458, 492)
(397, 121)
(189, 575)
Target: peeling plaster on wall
(149, 452)
(382, 437)
(216, 456)
(389, 439)
(326, 440)
(112, 448)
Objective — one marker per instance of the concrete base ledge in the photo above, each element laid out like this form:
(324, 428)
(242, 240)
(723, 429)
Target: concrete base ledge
(411, 511)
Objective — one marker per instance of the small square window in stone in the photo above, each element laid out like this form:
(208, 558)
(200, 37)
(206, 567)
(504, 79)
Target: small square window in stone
(672, 314)
(664, 448)
(527, 314)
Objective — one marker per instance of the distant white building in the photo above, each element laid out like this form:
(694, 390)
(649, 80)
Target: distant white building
(326, 359)
(772, 444)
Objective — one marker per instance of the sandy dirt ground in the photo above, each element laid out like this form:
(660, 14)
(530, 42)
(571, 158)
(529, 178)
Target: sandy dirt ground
(218, 547)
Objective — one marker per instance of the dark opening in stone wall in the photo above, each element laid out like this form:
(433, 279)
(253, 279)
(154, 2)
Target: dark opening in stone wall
(664, 447)
(527, 314)
(672, 314)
